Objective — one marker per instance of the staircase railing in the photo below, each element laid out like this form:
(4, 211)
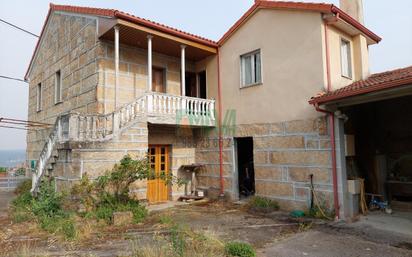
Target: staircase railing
(45, 155)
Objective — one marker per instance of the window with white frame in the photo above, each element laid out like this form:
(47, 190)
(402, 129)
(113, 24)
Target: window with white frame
(251, 72)
(58, 88)
(345, 55)
(39, 97)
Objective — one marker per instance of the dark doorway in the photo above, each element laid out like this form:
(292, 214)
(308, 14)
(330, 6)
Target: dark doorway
(202, 84)
(191, 88)
(246, 172)
(380, 136)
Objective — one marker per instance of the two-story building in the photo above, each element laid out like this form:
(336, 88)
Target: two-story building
(110, 83)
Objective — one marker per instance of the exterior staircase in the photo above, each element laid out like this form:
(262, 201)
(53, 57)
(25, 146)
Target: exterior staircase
(154, 108)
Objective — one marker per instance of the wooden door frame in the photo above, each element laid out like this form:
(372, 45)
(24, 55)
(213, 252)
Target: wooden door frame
(167, 167)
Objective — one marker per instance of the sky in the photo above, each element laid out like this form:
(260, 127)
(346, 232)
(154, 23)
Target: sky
(392, 20)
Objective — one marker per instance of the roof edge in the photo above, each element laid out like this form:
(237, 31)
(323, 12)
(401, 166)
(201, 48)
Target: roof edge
(359, 26)
(374, 88)
(317, 7)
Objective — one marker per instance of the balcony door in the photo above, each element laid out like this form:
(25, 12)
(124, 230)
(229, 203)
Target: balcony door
(158, 80)
(157, 189)
(196, 84)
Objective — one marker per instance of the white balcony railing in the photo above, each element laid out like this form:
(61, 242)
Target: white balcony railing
(152, 107)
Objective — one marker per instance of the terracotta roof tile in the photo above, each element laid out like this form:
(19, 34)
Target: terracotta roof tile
(373, 83)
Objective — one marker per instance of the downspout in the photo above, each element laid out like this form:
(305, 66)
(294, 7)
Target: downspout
(331, 121)
(219, 93)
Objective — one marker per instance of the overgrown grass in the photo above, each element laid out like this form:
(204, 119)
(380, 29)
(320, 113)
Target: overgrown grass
(46, 209)
(262, 204)
(181, 242)
(239, 249)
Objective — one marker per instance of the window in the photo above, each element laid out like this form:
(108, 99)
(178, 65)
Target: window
(39, 97)
(251, 69)
(346, 64)
(58, 88)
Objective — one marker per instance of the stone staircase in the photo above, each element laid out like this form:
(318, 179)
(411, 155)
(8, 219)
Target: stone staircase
(151, 107)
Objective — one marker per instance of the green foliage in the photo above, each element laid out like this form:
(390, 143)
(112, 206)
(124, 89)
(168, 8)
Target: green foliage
(177, 239)
(117, 181)
(46, 208)
(110, 193)
(239, 249)
(321, 212)
(3, 170)
(165, 219)
(48, 202)
(263, 204)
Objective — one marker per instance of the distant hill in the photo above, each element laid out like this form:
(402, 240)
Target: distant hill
(10, 158)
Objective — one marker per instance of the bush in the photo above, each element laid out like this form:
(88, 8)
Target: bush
(239, 249)
(259, 203)
(23, 187)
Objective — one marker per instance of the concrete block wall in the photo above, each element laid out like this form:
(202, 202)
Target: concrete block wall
(285, 154)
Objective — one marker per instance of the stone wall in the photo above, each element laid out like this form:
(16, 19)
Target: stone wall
(285, 154)
(69, 44)
(181, 152)
(94, 158)
(132, 74)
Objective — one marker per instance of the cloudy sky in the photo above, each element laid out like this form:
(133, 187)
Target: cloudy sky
(392, 20)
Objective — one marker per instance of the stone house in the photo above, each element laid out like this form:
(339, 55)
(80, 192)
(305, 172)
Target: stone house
(110, 83)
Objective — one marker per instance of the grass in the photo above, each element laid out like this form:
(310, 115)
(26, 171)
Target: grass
(239, 249)
(181, 242)
(262, 204)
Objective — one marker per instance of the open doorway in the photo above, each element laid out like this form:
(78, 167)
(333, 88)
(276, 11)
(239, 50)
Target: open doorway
(245, 167)
(380, 134)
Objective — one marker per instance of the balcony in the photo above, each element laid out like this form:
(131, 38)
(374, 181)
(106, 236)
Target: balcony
(154, 108)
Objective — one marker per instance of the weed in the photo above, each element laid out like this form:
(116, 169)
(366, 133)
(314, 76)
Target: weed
(263, 204)
(239, 249)
(166, 219)
(24, 186)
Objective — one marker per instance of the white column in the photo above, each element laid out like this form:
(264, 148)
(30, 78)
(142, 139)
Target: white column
(116, 64)
(183, 70)
(149, 63)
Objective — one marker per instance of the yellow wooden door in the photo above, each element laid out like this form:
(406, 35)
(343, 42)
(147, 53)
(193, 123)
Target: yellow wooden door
(157, 189)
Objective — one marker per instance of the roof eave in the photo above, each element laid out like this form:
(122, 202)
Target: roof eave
(378, 87)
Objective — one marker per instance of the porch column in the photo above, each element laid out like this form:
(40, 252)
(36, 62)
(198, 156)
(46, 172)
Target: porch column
(149, 73)
(183, 70)
(149, 63)
(116, 65)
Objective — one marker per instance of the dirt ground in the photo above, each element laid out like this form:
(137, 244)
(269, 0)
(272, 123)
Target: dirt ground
(274, 235)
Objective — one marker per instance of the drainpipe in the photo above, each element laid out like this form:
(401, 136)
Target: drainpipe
(331, 120)
(334, 168)
(222, 189)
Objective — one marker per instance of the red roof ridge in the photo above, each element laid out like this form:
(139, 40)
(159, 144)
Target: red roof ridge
(375, 82)
(122, 15)
(308, 6)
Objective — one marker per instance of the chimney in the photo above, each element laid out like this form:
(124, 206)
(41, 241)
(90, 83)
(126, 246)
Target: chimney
(354, 8)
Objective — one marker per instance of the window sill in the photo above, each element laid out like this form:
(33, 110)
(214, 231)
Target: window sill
(346, 77)
(251, 85)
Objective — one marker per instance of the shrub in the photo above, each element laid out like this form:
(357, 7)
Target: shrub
(263, 204)
(23, 187)
(239, 249)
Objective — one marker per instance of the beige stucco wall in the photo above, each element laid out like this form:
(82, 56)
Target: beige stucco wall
(69, 44)
(359, 57)
(292, 66)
